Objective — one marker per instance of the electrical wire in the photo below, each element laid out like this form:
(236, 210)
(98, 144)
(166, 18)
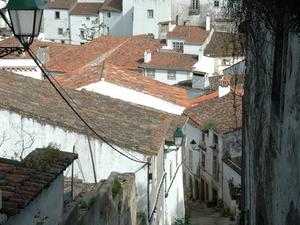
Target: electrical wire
(44, 70)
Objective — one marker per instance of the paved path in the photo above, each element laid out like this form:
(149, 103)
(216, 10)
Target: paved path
(200, 215)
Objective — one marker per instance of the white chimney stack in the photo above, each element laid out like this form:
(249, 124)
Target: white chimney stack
(147, 57)
(224, 87)
(207, 25)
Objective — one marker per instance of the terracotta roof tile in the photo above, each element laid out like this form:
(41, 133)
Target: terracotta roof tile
(61, 4)
(171, 60)
(123, 124)
(112, 5)
(223, 44)
(20, 187)
(225, 113)
(86, 8)
(131, 54)
(191, 34)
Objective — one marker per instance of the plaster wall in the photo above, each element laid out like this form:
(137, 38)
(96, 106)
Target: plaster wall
(19, 129)
(77, 23)
(191, 49)
(228, 174)
(51, 25)
(162, 76)
(133, 96)
(49, 203)
(144, 25)
(21, 66)
(174, 201)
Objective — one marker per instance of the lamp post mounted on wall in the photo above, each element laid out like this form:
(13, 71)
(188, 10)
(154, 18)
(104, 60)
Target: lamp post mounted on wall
(25, 22)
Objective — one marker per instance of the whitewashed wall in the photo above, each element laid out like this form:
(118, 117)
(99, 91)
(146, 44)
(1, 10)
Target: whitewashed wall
(126, 94)
(174, 202)
(51, 25)
(162, 76)
(191, 49)
(144, 25)
(49, 203)
(18, 129)
(77, 22)
(228, 174)
(17, 64)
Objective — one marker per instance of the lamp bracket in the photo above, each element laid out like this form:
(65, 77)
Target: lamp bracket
(4, 51)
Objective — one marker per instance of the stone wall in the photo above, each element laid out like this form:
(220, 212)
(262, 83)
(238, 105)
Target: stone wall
(113, 203)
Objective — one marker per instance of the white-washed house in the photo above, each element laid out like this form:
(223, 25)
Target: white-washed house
(168, 66)
(57, 20)
(31, 187)
(214, 127)
(85, 24)
(33, 115)
(222, 51)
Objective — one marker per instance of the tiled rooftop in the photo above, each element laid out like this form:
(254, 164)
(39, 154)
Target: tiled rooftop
(112, 5)
(224, 44)
(191, 34)
(224, 114)
(171, 60)
(123, 124)
(22, 182)
(61, 4)
(86, 8)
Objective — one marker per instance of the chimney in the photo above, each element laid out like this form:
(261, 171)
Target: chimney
(207, 24)
(224, 86)
(43, 54)
(147, 57)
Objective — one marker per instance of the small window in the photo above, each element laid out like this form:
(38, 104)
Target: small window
(108, 14)
(87, 18)
(150, 13)
(164, 28)
(82, 43)
(215, 139)
(195, 4)
(151, 73)
(107, 30)
(225, 62)
(57, 15)
(62, 41)
(178, 46)
(82, 34)
(60, 31)
(171, 75)
(216, 3)
(203, 160)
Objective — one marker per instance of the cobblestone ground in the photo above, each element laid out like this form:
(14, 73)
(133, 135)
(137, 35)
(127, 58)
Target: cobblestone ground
(201, 215)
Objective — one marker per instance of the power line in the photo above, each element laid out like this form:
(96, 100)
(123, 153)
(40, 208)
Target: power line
(44, 70)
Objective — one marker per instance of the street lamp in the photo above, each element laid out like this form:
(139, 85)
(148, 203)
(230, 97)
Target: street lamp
(25, 22)
(178, 137)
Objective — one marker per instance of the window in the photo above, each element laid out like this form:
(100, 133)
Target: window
(178, 46)
(87, 18)
(215, 139)
(57, 15)
(225, 62)
(150, 13)
(171, 75)
(216, 3)
(191, 159)
(60, 31)
(82, 34)
(62, 41)
(195, 4)
(107, 30)
(108, 14)
(215, 167)
(151, 73)
(164, 28)
(203, 160)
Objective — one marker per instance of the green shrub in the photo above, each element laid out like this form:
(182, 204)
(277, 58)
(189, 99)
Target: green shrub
(117, 187)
